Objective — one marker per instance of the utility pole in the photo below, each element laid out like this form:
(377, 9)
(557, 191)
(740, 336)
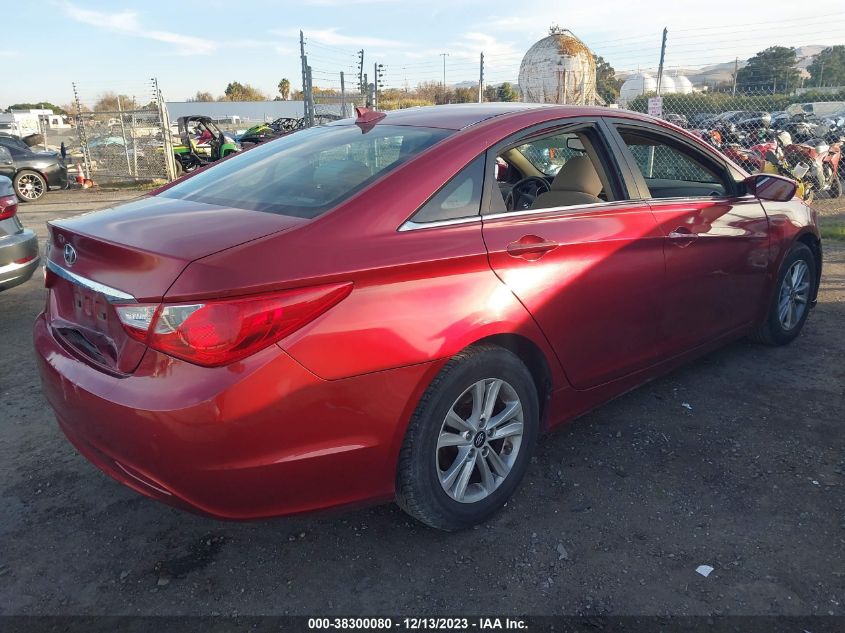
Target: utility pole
(303, 63)
(444, 56)
(342, 96)
(736, 72)
(309, 97)
(378, 84)
(821, 75)
(481, 79)
(366, 90)
(361, 85)
(662, 58)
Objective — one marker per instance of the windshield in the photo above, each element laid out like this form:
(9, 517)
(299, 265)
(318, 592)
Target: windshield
(309, 172)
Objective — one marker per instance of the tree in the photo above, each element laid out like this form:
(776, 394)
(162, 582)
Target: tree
(491, 93)
(41, 105)
(465, 95)
(201, 97)
(606, 84)
(507, 92)
(828, 67)
(284, 89)
(770, 69)
(109, 102)
(237, 91)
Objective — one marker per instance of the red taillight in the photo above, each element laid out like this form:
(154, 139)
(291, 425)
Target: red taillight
(219, 332)
(8, 207)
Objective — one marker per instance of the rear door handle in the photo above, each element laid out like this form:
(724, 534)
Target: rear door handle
(683, 233)
(531, 247)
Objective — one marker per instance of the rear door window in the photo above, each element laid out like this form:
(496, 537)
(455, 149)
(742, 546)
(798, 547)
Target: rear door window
(307, 173)
(670, 169)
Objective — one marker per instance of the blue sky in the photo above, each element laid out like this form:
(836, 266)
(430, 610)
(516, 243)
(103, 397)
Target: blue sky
(192, 45)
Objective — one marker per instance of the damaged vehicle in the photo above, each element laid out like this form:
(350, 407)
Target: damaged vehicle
(396, 306)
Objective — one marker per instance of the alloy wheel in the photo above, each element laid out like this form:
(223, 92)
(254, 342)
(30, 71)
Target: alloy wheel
(30, 186)
(479, 440)
(794, 295)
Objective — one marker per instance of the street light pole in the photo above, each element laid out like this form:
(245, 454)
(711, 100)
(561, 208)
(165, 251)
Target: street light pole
(444, 56)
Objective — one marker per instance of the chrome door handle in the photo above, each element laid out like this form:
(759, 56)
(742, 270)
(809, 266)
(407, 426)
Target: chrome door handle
(531, 247)
(683, 233)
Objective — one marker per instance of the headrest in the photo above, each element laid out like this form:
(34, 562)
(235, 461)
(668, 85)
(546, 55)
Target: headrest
(578, 174)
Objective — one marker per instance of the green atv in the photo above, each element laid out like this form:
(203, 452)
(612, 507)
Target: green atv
(202, 142)
(266, 131)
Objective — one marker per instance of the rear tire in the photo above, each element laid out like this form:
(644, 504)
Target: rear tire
(470, 439)
(790, 303)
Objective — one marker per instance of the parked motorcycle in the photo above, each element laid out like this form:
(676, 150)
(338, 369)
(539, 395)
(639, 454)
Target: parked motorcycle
(823, 159)
(773, 160)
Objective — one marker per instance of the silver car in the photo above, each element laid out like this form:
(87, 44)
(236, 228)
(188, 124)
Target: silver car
(18, 246)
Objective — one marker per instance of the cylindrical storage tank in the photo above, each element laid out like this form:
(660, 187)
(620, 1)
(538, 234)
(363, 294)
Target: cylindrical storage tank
(637, 85)
(558, 69)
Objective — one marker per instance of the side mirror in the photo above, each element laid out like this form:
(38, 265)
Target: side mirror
(771, 187)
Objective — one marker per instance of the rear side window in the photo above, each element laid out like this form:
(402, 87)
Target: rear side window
(309, 172)
(459, 198)
(672, 171)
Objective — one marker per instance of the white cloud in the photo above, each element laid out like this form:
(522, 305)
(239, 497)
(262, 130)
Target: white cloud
(333, 38)
(127, 22)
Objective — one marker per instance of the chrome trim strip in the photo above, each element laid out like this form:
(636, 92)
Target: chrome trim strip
(113, 295)
(573, 208)
(413, 226)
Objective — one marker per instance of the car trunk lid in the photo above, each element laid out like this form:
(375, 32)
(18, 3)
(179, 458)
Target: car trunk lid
(133, 253)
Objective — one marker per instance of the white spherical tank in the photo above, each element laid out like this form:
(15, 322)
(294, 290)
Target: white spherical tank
(637, 85)
(558, 69)
(683, 85)
(667, 84)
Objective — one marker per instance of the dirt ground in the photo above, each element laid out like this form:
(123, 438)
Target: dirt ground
(736, 461)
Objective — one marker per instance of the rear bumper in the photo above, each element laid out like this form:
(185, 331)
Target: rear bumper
(18, 258)
(56, 177)
(263, 437)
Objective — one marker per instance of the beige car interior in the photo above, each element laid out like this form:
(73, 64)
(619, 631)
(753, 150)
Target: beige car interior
(578, 181)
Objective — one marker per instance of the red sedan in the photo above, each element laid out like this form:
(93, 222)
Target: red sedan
(395, 306)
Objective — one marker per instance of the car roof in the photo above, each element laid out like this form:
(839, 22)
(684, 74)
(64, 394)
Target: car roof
(458, 116)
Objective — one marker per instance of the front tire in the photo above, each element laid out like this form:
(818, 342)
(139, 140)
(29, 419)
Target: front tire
(29, 185)
(790, 304)
(469, 441)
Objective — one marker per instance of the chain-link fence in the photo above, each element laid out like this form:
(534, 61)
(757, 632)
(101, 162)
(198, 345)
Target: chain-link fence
(799, 134)
(122, 137)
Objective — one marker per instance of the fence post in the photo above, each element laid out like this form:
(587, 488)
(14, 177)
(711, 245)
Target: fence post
(80, 130)
(342, 96)
(123, 134)
(164, 121)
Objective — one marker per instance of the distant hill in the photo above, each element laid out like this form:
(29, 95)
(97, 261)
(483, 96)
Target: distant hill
(723, 73)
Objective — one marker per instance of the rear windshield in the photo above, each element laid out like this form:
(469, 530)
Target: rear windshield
(308, 172)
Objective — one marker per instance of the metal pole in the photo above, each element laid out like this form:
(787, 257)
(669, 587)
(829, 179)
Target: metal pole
(342, 96)
(83, 137)
(309, 97)
(444, 56)
(662, 58)
(736, 72)
(169, 158)
(481, 79)
(123, 134)
(365, 87)
(303, 60)
(375, 86)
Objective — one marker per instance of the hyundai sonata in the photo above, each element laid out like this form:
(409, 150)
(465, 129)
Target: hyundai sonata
(395, 306)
